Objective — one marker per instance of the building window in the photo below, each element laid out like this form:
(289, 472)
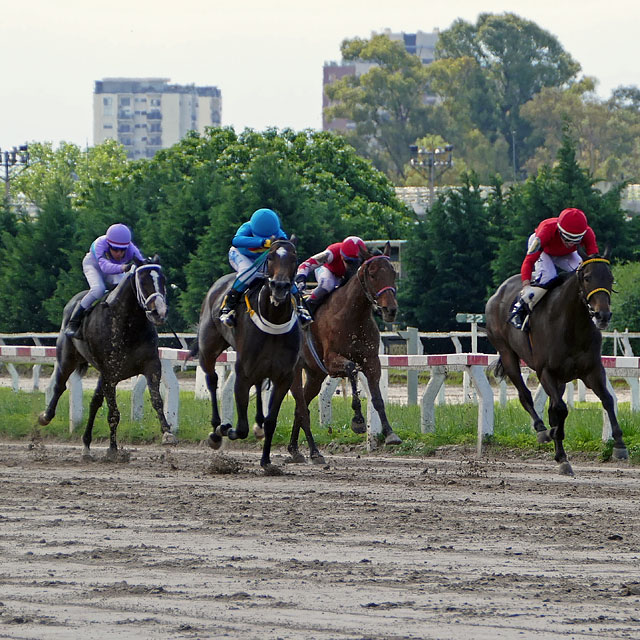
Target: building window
(107, 126)
(155, 102)
(125, 102)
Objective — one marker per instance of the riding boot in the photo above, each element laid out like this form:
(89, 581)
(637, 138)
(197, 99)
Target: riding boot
(73, 326)
(312, 305)
(519, 315)
(228, 311)
(304, 317)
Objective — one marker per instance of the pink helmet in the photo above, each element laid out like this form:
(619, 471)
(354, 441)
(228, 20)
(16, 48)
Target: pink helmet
(350, 249)
(119, 236)
(572, 225)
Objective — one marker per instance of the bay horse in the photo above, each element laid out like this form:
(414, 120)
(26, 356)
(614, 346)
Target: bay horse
(266, 338)
(343, 340)
(563, 343)
(119, 339)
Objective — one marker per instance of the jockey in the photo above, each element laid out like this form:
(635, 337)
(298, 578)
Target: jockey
(553, 245)
(332, 267)
(106, 262)
(247, 256)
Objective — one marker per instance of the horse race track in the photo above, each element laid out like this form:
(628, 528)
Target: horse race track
(364, 547)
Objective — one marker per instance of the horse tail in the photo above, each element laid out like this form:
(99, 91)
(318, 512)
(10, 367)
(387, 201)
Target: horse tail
(193, 349)
(497, 368)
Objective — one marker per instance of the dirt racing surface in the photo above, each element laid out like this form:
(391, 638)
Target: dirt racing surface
(188, 543)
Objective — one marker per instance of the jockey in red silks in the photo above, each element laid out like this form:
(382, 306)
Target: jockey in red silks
(106, 262)
(553, 245)
(333, 266)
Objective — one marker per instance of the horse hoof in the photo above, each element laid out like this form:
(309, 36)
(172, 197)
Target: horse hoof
(296, 458)
(258, 432)
(223, 429)
(111, 455)
(543, 436)
(87, 456)
(214, 440)
(272, 470)
(620, 453)
(564, 469)
(169, 438)
(358, 426)
(42, 419)
(392, 438)
(318, 459)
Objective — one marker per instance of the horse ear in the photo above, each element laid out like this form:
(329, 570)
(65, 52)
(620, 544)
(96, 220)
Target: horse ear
(387, 249)
(294, 240)
(156, 258)
(137, 261)
(364, 254)
(607, 252)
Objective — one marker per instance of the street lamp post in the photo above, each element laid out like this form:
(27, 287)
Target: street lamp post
(426, 161)
(18, 156)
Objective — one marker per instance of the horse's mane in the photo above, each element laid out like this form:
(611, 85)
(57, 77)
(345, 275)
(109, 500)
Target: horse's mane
(115, 293)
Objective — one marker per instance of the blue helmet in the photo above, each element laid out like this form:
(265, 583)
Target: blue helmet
(265, 223)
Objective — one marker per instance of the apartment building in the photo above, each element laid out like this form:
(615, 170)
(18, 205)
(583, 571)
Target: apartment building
(421, 44)
(149, 114)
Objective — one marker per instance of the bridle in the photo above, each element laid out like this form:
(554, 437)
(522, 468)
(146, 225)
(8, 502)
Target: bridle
(143, 301)
(585, 297)
(362, 275)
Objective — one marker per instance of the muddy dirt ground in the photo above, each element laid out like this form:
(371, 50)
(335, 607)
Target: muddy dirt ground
(168, 545)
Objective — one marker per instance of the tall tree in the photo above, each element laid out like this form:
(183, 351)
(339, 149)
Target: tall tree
(519, 59)
(387, 103)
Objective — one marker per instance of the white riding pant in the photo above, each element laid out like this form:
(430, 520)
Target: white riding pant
(245, 267)
(546, 267)
(97, 280)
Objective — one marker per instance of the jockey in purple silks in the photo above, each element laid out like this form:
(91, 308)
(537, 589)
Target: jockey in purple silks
(106, 262)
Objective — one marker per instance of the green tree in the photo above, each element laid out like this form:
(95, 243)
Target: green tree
(518, 59)
(387, 103)
(448, 260)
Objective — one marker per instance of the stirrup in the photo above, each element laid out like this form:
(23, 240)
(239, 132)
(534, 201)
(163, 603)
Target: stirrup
(228, 317)
(304, 318)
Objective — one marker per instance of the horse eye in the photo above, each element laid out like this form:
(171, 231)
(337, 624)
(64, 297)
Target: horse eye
(587, 278)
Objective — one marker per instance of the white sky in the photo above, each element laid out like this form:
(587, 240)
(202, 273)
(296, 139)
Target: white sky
(266, 56)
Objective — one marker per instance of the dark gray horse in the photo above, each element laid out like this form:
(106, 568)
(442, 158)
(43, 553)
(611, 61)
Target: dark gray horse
(266, 338)
(345, 338)
(119, 338)
(563, 344)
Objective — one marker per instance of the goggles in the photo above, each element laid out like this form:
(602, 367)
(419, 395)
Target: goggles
(570, 238)
(114, 248)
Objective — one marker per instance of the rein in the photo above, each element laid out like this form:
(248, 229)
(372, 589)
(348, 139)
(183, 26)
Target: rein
(142, 301)
(373, 299)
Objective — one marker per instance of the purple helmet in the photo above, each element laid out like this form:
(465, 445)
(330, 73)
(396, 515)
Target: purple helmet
(119, 236)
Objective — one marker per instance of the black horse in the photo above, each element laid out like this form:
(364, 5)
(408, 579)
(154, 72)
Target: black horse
(344, 340)
(267, 340)
(563, 343)
(119, 338)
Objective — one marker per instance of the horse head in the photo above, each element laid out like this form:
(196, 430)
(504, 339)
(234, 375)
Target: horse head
(150, 288)
(595, 280)
(378, 279)
(282, 262)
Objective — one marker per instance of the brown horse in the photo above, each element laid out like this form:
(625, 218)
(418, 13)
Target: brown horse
(345, 339)
(267, 339)
(563, 344)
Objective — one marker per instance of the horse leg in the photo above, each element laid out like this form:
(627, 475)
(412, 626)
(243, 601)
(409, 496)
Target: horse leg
(303, 396)
(511, 365)
(258, 427)
(597, 381)
(113, 417)
(153, 383)
(96, 403)
(241, 390)
(372, 373)
(277, 396)
(557, 415)
(358, 423)
(61, 374)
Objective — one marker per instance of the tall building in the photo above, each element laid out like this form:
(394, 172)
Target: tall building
(148, 114)
(421, 44)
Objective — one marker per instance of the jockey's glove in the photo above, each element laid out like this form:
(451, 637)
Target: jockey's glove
(301, 282)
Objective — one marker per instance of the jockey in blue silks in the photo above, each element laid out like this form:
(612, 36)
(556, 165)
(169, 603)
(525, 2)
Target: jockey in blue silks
(248, 256)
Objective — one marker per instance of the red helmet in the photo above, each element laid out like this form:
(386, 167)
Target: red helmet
(572, 225)
(350, 249)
